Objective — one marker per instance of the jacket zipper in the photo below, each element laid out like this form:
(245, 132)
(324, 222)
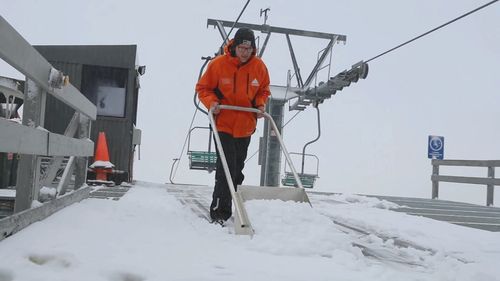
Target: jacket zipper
(248, 82)
(234, 79)
(234, 83)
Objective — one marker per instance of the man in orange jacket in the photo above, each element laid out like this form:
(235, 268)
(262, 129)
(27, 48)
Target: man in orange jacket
(240, 78)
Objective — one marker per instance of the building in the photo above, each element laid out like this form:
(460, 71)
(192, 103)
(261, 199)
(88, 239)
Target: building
(109, 77)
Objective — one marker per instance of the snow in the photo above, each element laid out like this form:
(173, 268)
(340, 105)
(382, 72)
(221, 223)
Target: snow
(149, 235)
(15, 120)
(36, 204)
(7, 192)
(102, 164)
(48, 191)
(42, 129)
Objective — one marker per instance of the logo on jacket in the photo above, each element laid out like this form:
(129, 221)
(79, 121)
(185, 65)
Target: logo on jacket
(226, 81)
(255, 82)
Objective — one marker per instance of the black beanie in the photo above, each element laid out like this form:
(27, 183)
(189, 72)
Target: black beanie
(242, 35)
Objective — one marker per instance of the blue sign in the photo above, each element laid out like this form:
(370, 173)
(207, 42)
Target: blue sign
(435, 147)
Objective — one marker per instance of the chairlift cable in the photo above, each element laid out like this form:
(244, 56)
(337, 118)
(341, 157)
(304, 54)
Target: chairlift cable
(289, 120)
(184, 145)
(432, 30)
(197, 107)
(232, 27)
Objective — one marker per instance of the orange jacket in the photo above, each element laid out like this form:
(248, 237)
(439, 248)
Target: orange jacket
(245, 85)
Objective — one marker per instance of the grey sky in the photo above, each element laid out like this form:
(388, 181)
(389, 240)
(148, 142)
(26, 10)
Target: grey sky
(374, 133)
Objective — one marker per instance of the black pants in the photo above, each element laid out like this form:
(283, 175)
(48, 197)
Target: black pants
(235, 150)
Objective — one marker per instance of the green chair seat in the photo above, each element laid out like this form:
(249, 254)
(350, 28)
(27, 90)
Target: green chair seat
(202, 160)
(307, 180)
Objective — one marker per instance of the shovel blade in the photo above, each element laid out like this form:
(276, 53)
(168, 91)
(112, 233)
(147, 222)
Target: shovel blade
(247, 192)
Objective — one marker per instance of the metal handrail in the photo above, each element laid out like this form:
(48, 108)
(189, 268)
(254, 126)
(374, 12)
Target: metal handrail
(223, 155)
(490, 181)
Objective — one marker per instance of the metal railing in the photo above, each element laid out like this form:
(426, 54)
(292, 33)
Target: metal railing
(490, 181)
(31, 140)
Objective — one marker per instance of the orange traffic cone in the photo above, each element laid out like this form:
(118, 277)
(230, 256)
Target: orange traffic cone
(102, 153)
(102, 166)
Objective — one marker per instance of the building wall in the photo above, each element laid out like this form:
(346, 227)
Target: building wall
(72, 60)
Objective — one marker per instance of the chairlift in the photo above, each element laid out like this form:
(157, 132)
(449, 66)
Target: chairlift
(307, 179)
(202, 159)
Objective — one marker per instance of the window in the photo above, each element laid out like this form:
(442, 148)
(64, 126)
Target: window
(106, 87)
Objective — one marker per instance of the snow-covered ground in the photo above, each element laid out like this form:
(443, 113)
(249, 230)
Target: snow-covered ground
(149, 235)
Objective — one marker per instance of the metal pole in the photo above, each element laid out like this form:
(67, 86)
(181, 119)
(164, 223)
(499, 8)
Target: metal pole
(435, 182)
(294, 61)
(263, 152)
(28, 173)
(490, 187)
(82, 162)
(273, 148)
(313, 141)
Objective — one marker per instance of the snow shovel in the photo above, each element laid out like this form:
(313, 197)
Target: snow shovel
(242, 224)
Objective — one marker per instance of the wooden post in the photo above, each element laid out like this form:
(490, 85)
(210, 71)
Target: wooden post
(435, 182)
(490, 187)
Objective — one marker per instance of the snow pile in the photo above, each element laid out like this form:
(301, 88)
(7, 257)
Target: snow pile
(290, 228)
(365, 201)
(47, 192)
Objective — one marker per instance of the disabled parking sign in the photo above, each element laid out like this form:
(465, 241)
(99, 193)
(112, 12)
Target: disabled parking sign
(435, 147)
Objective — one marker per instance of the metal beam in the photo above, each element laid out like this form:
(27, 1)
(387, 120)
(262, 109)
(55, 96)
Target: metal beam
(263, 48)
(21, 139)
(320, 61)
(17, 52)
(467, 163)
(222, 32)
(268, 29)
(468, 180)
(294, 61)
(66, 177)
(81, 162)
(28, 172)
(65, 146)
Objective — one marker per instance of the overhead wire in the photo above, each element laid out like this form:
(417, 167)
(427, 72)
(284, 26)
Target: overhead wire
(432, 30)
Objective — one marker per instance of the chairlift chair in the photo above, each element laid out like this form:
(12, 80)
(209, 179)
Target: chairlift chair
(202, 159)
(307, 179)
